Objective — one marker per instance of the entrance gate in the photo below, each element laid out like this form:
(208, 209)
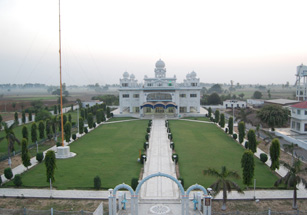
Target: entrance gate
(184, 196)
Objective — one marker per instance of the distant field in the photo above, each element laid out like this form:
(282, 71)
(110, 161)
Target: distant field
(110, 151)
(34, 98)
(202, 145)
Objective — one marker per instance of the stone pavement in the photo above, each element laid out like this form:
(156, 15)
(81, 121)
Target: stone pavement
(159, 160)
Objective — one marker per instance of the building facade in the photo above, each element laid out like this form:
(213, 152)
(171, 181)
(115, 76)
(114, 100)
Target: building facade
(299, 118)
(159, 94)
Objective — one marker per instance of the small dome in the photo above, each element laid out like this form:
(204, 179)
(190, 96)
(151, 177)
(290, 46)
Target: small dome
(126, 75)
(160, 64)
(188, 76)
(132, 76)
(193, 74)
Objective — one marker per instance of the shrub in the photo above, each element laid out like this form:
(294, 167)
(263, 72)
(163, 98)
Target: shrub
(182, 181)
(0, 181)
(17, 180)
(149, 124)
(74, 136)
(143, 158)
(94, 124)
(97, 183)
(148, 130)
(172, 145)
(246, 145)
(175, 158)
(40, 157)
(146, 137)
(58, 144)
(134, 183)
(170, 136)
(234, 136)
(8, 173)
(263, 157)
(226, 130)
(85, 130)
(146, 145)
(169, 130)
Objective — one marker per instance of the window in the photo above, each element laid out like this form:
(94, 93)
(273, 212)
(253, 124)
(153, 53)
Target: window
(298, 126)
(194, 84)
(137, 109)
(170, 84)
(238, 105)
(160, 84)
(182, 109)
(193, 95)
(136, 96)
(124, 84)
(149, 85)
(182, 95)
(305, 112)
(293, 125)
(298, 112)
(125, 95)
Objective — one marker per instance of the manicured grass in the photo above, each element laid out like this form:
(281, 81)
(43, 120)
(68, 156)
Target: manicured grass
(201, 146)
(114, 119)
(198, 118)
(109, 151)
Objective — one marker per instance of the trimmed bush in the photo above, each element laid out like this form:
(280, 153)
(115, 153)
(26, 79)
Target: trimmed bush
(17, 180)
(85, 130)
(263, 157)
(169, 130)
(148, 130)
(146, 137)
(134, 183)
(172, 145)
(246, 145)
(143, 158)
(146, 145)
(226, 130)
(74, 136)
(0, 181)
(8, 173)
(170, 136)
(234, 136)
(182, 181)
(40, 157)
(58, 144)
(175, 158)
(94, 124)
(97, 182)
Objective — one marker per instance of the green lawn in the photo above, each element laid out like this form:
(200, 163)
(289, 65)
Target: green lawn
(198, 118)
(120, 119)
(110, 151)
(201, 146)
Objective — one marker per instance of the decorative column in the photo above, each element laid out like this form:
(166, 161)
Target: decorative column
(183, 204)
(110, 202)
(134, 204)
(207, 201)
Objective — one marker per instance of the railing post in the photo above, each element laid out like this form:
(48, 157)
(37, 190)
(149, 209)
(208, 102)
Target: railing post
(51, 210)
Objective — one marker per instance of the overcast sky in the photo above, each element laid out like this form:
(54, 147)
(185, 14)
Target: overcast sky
(244, 41)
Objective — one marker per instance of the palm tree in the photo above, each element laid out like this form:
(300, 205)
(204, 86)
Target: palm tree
(223, 182)
(292, 178)
(11, 139)
(290, 148)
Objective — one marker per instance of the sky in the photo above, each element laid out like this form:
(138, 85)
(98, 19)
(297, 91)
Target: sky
(249, 42)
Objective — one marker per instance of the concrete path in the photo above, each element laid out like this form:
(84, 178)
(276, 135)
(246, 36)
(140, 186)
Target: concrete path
(159, 160)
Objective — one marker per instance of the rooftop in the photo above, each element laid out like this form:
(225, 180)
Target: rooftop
(301, 105)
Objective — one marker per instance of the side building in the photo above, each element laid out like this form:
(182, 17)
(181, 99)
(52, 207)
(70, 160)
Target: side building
(159, 94)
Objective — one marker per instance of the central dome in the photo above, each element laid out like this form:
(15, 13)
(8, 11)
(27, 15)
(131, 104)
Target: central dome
(160, 64)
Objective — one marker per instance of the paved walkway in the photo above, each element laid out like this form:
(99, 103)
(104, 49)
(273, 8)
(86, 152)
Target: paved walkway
(159, 160)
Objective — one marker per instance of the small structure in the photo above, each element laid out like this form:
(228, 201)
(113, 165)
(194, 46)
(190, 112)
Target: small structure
(91, 103)
(234, 104)
(255, 102)
(301, 82)
(281, 102)
(299, 118)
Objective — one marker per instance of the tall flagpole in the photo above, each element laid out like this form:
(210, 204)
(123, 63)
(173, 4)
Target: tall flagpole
(62, 129)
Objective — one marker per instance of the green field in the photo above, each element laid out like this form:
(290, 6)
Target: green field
(114, 119)
(110, 151)
(201, 146)
(198, 118)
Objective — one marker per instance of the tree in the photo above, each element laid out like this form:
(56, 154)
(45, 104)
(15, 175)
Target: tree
(257, 95)
(243, 115)
(81, 125)
(25, 153)
(214, 99)
(99, 116)
(42, 115)
(273, 115)
(30, 116)
(67, 131)
(48, 129)
(16, 118)
(248, 165)
(217, 116)
(90, 120)
(216, 88)
(69, 118)
(269, 94)
(241, 95)
(34, 132)
(25, 133)
(82, 113)
(14, 105)
(55, 110)
(1, 122)
(11, 139)
(275, 154)
(290, 148)
(222, 120)
(59, 109)
(293, 178)
(209, 112)
(108, 112)
(50, 163)
(41, 130)
(223, 182)
(85, 113)
(252, 141)
(241, 128)
(23, 117)
(230, 125)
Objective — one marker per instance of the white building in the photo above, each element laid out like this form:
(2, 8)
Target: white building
(299, 117)
(234, 104)
(301, 82)
(159, 94)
